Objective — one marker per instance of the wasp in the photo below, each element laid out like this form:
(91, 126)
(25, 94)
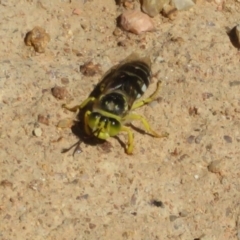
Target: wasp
(109, 108)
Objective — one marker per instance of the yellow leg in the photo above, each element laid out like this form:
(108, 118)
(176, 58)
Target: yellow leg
(129, 147)
(145, 124)
(149, 99)
(77, 107)
(86, 115)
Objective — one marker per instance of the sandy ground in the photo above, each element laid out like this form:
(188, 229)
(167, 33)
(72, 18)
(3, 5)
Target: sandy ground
(183, 187)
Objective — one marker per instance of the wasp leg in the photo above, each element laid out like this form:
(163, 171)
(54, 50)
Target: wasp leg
(145, 124)
(147, 100)
(86, 115)
(129, 147)
(77, 107)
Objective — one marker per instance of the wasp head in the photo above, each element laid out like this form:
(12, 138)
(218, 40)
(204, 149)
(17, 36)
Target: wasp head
(102, 126)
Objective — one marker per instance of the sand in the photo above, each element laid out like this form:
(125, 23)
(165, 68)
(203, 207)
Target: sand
(184, 187)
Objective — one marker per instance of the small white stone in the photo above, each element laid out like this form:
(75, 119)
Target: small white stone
(37, 132)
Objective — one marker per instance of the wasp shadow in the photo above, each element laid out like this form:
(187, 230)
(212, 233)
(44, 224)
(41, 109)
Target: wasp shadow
(139, 130)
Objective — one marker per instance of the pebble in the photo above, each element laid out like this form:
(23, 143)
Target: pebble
(65, 80)
(191, 139)
(76, 11)
(169, 12)
(38, 39)
(157, 203)
(117, 32)
(235, 83)
(43, 119)
(60, 92)
(237, 31)
(215, 166)
(196, 176)
(6, 183)
(234, 35)
(184, 213)
(153, 7)
(173, 218)
(209, 147)
(183, 4)
(89, 69)
(92, 226)
(122, 43)
(37, 132)
(65, 123)
(193, 111)
(206, 95)
(227, 138)
(136, 22)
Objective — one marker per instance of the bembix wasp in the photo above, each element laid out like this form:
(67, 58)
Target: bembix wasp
(109, 107)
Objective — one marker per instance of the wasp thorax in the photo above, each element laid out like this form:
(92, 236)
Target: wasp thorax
(114, 103)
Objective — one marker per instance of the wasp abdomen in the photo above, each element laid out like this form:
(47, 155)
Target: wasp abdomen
(135, 78)
(131, 79)
(123, 85)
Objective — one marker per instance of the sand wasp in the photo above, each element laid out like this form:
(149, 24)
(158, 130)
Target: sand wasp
(109, 107)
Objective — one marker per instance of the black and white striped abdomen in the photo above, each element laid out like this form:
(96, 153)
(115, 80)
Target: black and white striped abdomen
(122, 85)
(131, 78)
(136, 78)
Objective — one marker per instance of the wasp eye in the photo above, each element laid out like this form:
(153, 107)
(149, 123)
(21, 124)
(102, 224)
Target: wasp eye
(115, 127)
(93, 119)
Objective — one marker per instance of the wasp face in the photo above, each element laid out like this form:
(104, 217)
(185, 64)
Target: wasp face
(103, 127)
